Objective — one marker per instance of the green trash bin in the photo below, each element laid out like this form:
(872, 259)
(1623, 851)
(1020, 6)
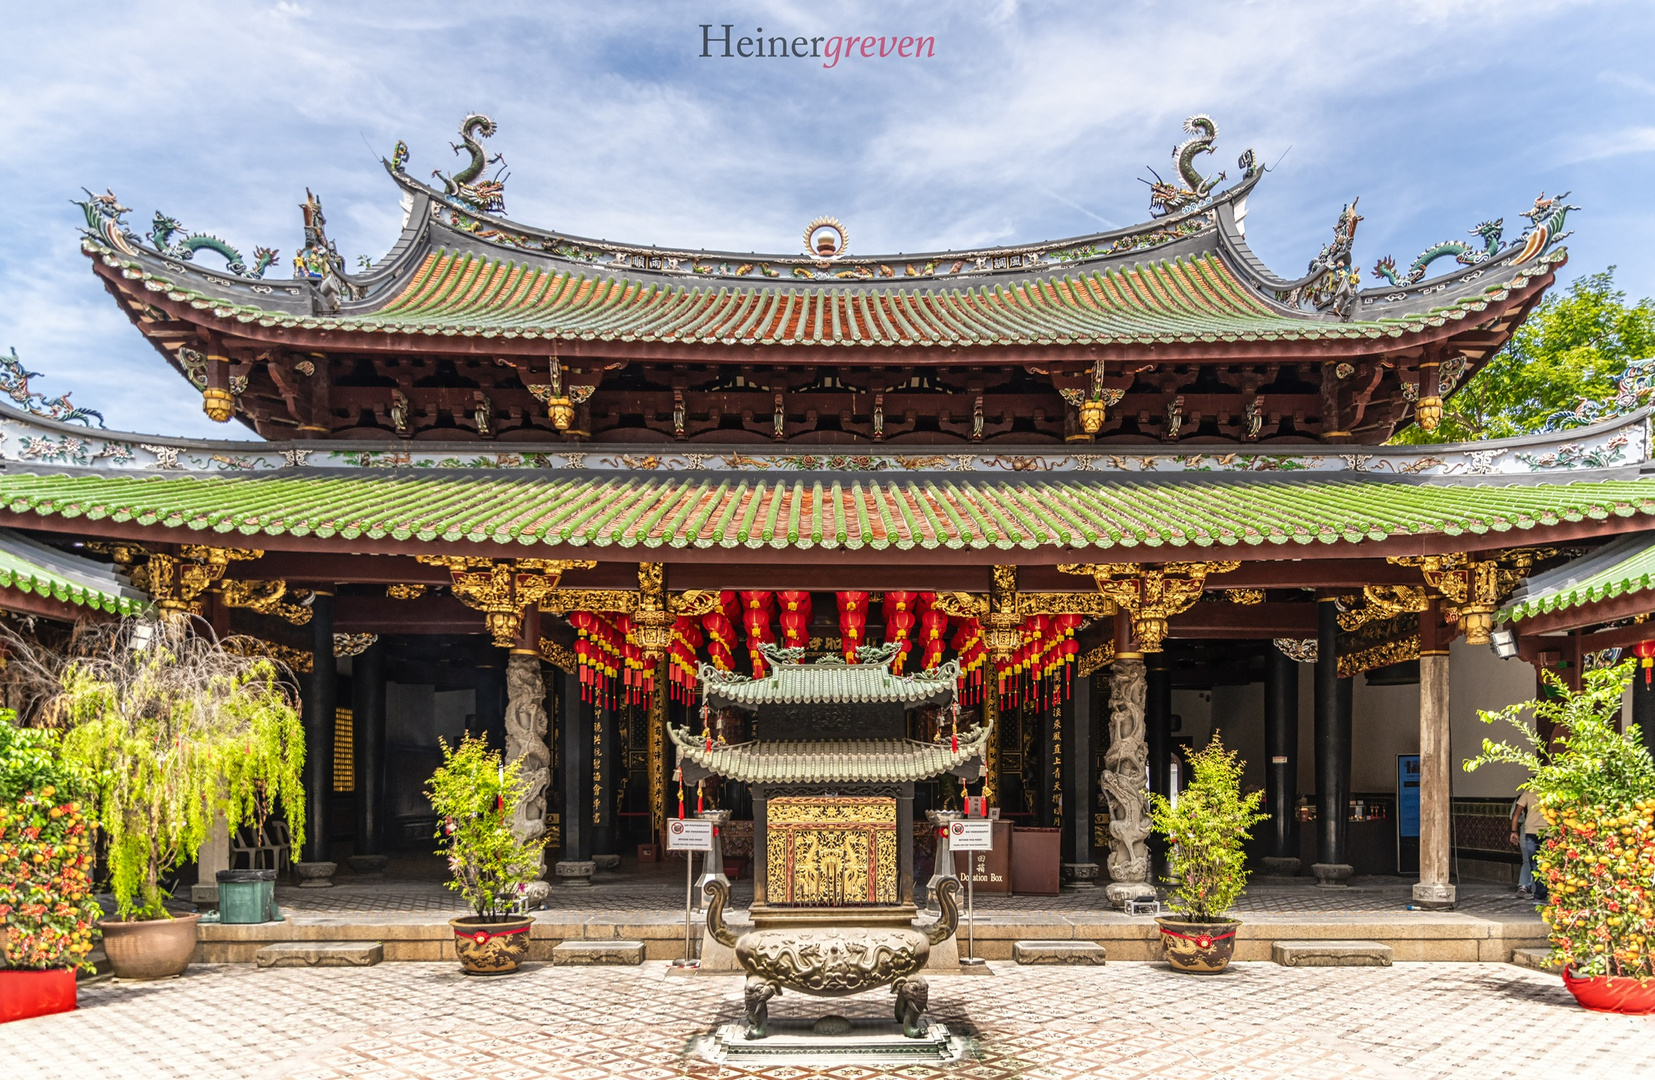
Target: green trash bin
(247, 896)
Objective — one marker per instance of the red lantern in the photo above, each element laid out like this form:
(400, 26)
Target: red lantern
(853, 621)
(1645, 652)
(794, 616)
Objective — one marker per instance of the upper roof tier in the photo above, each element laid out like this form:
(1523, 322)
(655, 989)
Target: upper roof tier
(461, 271)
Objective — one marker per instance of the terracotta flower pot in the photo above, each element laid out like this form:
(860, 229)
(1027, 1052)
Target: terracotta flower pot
(36, 993)
(1612, 993)
(1200, 948)
(491, 946)
(151, 948)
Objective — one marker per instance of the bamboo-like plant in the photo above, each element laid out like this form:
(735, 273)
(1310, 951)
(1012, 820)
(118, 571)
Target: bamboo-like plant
(173, 729)
(1206, 829)
(475, 797)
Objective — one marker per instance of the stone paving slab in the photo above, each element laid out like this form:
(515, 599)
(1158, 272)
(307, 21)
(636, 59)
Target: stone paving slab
(1058, 952)
(593, 953)
(1126, 1021)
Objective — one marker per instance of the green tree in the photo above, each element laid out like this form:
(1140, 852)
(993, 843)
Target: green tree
(1572, 346)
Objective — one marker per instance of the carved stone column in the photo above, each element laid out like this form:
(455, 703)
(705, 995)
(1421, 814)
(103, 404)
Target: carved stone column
(1123, 782)
(526, 741)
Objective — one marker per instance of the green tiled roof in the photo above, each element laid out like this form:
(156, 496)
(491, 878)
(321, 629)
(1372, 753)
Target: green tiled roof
(1621, 567)
(862, 684)
(32, 567)
(1183, 300)
(830, 761)
(732, 511)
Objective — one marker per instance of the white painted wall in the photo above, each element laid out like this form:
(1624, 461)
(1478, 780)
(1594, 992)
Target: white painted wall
(1384, 723)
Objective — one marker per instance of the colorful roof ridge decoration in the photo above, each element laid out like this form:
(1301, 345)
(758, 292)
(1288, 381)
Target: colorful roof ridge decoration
(32, 567)
(827, 761)
(830, 680)
(1621, 567)
(1187, 276)
(830, 513)
(33, 444)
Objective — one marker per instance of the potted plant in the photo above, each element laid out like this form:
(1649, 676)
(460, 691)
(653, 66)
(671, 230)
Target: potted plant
(172, 730)
(1206, 828)
(46, 905)
(475, 797)
(1595, 787)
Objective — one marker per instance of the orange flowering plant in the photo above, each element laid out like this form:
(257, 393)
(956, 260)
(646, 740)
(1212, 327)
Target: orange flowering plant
(46, 906)
(1596, 790)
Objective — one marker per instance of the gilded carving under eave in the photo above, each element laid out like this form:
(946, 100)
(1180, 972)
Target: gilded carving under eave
(267, 597)
(1151, 594)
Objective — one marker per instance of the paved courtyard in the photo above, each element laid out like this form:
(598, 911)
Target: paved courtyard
(1123, 1021)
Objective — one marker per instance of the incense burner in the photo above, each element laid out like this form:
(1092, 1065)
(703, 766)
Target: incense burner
(835, 961)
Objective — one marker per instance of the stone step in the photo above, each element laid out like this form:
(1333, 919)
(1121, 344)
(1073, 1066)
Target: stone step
(320, 954)
(1535, 959)
(598, 952)
(1058, 952)
(1331, 954)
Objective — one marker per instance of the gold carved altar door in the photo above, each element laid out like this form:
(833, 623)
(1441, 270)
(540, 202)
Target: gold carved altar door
(831, 852)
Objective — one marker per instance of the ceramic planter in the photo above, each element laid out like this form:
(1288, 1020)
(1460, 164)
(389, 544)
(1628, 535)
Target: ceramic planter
(1200, 948)
(35, 993)
(1612, 993)
(488, 946)
(149, 949)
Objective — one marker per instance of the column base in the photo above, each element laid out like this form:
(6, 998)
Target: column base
(1119, 892)
(1083, 875)
(368, 866)
(1332, 875)
(574, 872)
(1434, 897)
(315, 875)
(1281, 865)
(607, 862)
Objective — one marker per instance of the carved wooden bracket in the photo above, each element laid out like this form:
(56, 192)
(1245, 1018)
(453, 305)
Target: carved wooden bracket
(1150, 594)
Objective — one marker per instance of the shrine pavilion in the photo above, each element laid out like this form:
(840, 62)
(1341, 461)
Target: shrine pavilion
(1119, 486)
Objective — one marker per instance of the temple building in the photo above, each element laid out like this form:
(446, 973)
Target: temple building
(1120, 487)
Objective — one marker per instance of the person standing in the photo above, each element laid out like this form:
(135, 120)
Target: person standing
(1525, 832)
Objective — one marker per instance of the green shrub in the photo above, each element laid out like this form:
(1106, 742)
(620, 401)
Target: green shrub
(1207, 829)
(475, 798)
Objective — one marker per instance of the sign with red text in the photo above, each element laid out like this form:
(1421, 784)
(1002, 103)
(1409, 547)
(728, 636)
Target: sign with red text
(689, 835)
(971, 835)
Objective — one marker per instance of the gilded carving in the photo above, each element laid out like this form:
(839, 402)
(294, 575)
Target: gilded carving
(501, 590)
(1475, 586)
(1384, 602)
(1244, 597)
(831, 852)
(176, 582)
(1151, 594)
(1092, 659)
(406, 592)
(267, 598)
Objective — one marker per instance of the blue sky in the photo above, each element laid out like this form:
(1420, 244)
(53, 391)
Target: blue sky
(1032, 121)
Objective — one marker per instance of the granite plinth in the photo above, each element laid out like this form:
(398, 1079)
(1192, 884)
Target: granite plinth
(1058, 952)
(1331, 954)
(797, 1042)
(592, 953)
(320, 954)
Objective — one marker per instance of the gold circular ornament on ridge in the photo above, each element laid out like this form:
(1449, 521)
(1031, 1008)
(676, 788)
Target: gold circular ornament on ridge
(826, 238)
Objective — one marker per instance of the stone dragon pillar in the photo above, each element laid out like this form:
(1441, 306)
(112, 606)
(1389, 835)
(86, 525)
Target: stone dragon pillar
(1123, 783)
(526, 744)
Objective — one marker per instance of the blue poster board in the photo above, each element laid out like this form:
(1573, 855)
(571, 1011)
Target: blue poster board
(1407, 795)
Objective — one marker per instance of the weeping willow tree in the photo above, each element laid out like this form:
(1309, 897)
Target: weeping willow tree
(173, 729)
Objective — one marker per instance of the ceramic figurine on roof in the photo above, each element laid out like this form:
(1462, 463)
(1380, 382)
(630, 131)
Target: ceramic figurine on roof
(164, 229)
(1165, 198)
(14, 383)
(466, 186)
(318, 261)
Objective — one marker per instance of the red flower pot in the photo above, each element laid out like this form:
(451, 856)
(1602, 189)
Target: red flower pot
(36, 993)
(1613, 993)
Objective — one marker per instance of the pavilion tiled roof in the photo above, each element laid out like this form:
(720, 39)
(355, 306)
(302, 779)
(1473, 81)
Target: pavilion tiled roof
(831, 682)
(32, 567)
(1619, 568)
(830, 761)
(734, 511)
